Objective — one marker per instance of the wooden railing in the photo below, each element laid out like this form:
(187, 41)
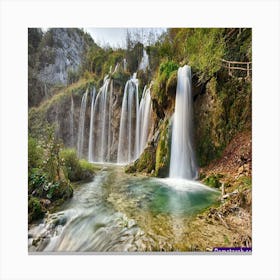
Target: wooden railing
(237, 65)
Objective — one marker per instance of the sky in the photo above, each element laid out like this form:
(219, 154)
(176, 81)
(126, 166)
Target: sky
(115, 37)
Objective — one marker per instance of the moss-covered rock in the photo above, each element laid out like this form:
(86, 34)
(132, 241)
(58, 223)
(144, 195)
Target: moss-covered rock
(223, 110)
(145, 163)
(163, 150)
(163, 92)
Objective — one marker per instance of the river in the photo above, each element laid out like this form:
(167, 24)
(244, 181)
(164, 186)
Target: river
(119, 212)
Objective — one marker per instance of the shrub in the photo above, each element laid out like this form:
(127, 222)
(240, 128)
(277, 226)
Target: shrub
(34, 153)
(76, 169)
(37, 182)
(35, 210)
(204, 49)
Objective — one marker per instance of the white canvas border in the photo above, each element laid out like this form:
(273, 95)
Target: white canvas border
(17, 16)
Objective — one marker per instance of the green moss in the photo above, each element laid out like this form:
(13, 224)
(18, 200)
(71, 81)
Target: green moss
(120, 78)
(222, 112)
(204, 48)
(146, 162)
(163, 151)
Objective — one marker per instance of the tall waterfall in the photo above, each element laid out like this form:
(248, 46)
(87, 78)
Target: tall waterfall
(128, 133)
(71, 122)
(90, 141)
(144, 63)
(144, 120)
(182, 162)
(80, 144)
(100, 124)
(135, 122)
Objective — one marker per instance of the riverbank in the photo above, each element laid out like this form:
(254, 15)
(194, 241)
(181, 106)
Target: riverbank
(230, 223)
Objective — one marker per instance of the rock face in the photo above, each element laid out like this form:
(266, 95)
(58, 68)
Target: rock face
(54, 59)
(65, 48)
(220, 112)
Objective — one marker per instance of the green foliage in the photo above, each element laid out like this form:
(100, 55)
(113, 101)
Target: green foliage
(76, 169)
(164, 89)
(166, 68)
(35, 210)
(120, 78)
(37, 182)
(35, 153)
(72, 76)
(244, 183)
(213, 180)
(204, 48)
(145, 163)
(163, 151)
(224, 110)
(39, 186)
(53, 162)
(238, 44)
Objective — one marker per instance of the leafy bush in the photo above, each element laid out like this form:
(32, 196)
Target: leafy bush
(72, 76)
(40, 187)
(204, 49)
(37, 182)
(35, 210)
(35, 153)
(167, 67)
(76, 169)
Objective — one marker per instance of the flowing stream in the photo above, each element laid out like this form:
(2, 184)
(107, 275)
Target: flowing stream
(117, 212)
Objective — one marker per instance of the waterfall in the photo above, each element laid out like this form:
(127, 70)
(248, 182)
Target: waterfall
(135, 122)
(182, 162)
(134, 125)
(124, 65)
(100, 124)
(145, 114)
(144, 63)
(71, 122)
(128, 133)
(90, 141)
(80, 144)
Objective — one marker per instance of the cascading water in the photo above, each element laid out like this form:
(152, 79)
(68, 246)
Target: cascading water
(144, 64)
(90, 141)
(71, 122)
(144, 120)
(182, 161)
(128, 133)
(124, 65)
(80, 144)
(135, 122)
(100, 133)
